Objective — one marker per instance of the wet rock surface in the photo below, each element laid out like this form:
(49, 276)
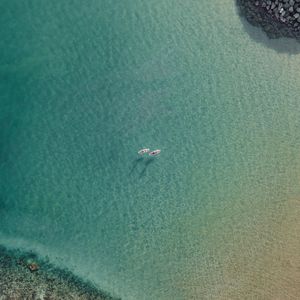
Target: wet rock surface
(278, 18)
(24, 276)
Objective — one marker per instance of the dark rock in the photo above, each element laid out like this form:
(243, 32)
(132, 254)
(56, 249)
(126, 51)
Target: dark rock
(16, 283)
(278, 18)
(33, 267)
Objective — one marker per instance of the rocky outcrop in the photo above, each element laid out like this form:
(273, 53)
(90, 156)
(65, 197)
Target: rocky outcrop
(278, 18)
(25, 276)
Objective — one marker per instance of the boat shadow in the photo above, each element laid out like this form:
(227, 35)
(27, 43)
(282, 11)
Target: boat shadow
(142, 161)
(136, 162)
(147, 163)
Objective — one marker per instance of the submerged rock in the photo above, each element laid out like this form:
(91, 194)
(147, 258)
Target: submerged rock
(33, 267)
(278, 18)
(49, 283)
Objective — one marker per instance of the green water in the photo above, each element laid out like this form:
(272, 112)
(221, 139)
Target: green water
(84, 86)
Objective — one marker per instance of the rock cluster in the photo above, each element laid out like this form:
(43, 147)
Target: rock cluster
(278, 18)
(25, 276)
(285, 11)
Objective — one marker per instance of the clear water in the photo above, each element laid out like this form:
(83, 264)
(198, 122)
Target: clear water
(84, 86)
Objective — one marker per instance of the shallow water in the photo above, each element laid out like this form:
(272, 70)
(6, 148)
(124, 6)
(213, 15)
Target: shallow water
(85, 86)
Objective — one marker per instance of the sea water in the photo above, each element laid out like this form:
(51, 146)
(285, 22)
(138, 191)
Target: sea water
(84, 86)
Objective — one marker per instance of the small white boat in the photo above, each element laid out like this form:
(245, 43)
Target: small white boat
(143, 151)
(155, 152)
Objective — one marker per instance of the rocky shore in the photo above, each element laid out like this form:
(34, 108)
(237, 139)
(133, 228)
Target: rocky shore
(24, 276)
(278, 18)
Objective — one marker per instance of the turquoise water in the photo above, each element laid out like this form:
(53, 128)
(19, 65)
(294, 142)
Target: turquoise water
(85, 86)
